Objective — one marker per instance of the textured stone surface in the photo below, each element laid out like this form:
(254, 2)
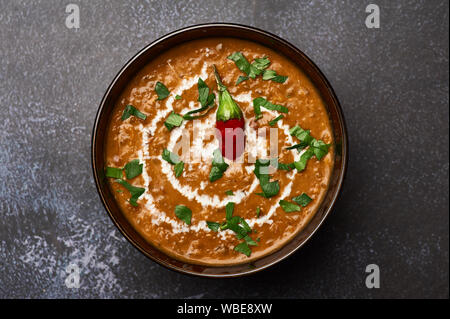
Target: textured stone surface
(393, 86)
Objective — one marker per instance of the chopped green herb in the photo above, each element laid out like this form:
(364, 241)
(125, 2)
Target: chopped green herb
(285, 167)
(302, 135)
(243, 248)
(173, 159)
(258, 211)
(261, 63)
(275, 120)
(252, 70)
(302, 200)
(203, 93)
(299, 146)
(269, 188)
(240, 61)
(300, 165)
(272, 75)
(218, 166)
(241, 79)
(135, 192)
(229, 210)
(229, 193)
(178, 169)
(258, 66)
(245, 225)
(183, 213)
(215, 174)
(213, 226)
(170, 157)
(316, 147)
(206, 101)
(119, 190)
(262, 102)
(250, 241)
(161, 90)
(236, 224)
(133, 169)
(319, 148)
(178, 97)
(173, 120)
(113, 172)
(289, 207)
(131, 110)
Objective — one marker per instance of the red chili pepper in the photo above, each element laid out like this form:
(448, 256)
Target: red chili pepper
(230, 123)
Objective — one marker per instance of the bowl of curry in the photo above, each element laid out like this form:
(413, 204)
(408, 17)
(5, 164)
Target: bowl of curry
(219, 149)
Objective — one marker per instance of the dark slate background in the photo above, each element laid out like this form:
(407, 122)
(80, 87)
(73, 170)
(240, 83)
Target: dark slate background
(393, 86)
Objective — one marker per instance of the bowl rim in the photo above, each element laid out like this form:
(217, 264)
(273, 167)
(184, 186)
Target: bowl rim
(340, 116)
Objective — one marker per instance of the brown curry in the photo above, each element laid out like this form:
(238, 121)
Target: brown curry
(274, 219)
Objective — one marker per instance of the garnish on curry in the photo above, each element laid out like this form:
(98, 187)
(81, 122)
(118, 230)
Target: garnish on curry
(217, 160)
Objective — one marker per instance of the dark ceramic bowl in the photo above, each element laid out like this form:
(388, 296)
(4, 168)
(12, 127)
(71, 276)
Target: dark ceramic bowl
(203, 31)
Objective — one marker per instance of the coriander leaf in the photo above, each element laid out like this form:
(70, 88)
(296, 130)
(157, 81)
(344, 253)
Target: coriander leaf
(233, 225)
(245, 225)
(300, 165)
(240, 61)
(302, 135)
(161, 90)
(302, 200)
(170, 157)
(289, 207)
(258, 66)
(272, 75)
(131, 110)
(229, 210)
(262, 102)
(178, 97)
(229, 193)
(299, 146)
(218, 160)
(183, 213)
(173, 120)
(218, 166)
(213, 226)
(178, 168)
(206, 101)
(135, 192)
(241, 79)
(215, 174)
(270, 189)
(260, 167)
(133, 169)
(261, 63)
(252, 70)
(250, 241)
(319, 148)
(243, 248)
(113, 172)
(275, 120)
(203, 92)
(286, 167)
(258, 211)
(316, 147)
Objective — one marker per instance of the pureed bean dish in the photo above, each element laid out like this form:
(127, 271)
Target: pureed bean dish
(196, 194)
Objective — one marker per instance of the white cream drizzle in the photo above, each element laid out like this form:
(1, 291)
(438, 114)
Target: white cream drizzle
(257, 145)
